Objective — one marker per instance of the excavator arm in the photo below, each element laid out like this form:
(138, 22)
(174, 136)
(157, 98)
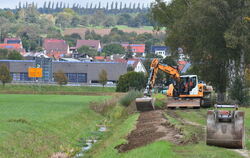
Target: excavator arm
(146, 103)
(154, 67)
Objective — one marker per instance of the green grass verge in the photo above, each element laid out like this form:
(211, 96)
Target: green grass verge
(203, 151)
(193, 115)
(160, 100)
(53, 88)
(116, 136)
(37, 125)
(247, 125)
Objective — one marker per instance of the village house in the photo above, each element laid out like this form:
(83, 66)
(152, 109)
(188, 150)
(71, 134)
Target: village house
(56, 48)
(13, 44)
(136, 49)
(137, 65)
(161, 51)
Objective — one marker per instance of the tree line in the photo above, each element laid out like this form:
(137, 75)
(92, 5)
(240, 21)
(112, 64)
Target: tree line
(90, 8)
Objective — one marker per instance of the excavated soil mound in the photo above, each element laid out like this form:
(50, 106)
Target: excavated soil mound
(151, 126)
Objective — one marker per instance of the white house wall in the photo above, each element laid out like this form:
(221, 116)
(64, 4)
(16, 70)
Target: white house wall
(140, 68)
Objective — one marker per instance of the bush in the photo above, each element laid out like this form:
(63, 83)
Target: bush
(131, 80)
(129, 97)
(61, 78)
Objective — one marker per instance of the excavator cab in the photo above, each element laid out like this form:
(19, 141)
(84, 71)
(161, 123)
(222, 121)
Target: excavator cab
(188, 86)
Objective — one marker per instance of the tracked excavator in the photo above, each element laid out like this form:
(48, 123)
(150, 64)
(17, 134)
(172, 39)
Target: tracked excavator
(186, 91)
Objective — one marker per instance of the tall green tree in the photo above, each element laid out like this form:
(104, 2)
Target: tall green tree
(3, 53)
(61, 78)
(212, 32)
(111, 49)
(103, 77)
(5, 76)
(87, 50)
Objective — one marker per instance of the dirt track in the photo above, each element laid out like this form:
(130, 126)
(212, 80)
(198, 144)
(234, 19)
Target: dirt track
(151, 126)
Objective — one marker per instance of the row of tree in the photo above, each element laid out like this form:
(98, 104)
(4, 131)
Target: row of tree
(90, 8)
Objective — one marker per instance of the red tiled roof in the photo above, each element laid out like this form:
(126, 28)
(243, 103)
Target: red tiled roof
(181, 65)
(10, 46)
(135, 48)
(55, 45)
(91, 43)
(182, 62)
(99, 58)
(17, 47)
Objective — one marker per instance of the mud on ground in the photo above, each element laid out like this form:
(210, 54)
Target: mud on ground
(151, 126)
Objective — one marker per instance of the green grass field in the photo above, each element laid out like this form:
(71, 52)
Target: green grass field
(38, 125)
(54, 89)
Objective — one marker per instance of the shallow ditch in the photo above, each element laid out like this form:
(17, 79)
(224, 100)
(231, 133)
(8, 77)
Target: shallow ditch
(87, 144)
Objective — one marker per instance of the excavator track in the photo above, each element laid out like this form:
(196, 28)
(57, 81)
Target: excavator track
(183, 103)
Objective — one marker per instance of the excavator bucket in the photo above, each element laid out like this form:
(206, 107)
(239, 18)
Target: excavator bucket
(145, 104)
(225, 128)
(183, 103)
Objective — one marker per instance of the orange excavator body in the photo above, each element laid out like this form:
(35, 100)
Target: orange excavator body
(191, 97)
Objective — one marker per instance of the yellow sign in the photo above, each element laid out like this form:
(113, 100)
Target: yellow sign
(35, 72)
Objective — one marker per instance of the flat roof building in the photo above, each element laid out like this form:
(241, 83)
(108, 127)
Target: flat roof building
(77, 72)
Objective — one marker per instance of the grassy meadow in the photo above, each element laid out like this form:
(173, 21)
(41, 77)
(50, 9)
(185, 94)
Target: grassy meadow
(39, 125)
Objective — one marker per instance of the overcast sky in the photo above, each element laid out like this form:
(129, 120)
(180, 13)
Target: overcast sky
(14, 3)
